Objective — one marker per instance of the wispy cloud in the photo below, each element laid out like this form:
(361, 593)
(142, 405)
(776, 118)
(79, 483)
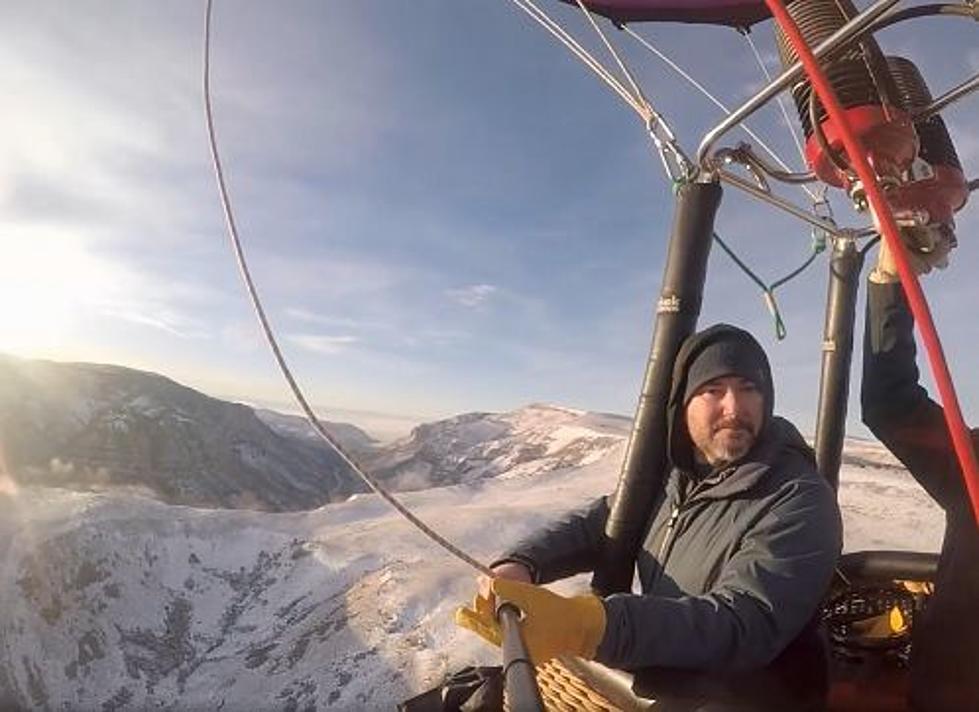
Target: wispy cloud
(444, 337)
(243, 336)
(169, 321)
(329, 345)
(472, 296)
(309, 316)
(338, 277)
(301, 314)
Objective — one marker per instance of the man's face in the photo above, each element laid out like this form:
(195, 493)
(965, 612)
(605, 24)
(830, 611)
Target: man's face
(724, 417)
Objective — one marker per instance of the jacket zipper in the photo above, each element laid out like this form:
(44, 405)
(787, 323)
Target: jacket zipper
(664, 548)
(668, 536)
(671, 522)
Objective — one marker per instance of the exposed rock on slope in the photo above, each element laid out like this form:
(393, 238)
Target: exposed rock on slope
(90, 426)
(474, 446)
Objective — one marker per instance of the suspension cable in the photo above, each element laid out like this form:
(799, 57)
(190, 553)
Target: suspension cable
(746, 33)
(273, 343)
(713, 99)
(636, 89)
(676, 164)
(559, 33)
(660, 132)
(891, 235)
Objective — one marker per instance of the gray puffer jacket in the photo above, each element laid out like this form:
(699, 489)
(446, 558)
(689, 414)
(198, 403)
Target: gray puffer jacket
(730, 573)
(734, 564)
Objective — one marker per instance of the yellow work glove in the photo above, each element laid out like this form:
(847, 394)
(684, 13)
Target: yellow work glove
(552, 625)
(481, 619)
(926, 248)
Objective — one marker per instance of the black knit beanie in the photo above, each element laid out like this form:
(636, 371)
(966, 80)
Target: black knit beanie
(731, 353)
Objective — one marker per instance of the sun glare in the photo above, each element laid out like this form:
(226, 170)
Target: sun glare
(47, 288)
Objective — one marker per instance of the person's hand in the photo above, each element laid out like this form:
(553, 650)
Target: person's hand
(513, 570)
(481, 618)
(926, 248)
(552, 625)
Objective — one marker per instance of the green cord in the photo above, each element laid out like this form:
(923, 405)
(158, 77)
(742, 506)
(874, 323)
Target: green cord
(768, 291)
(796, 272)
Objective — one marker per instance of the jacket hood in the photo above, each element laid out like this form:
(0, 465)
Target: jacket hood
(679, 447)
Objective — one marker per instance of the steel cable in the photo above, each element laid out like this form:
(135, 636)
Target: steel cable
(273, 343)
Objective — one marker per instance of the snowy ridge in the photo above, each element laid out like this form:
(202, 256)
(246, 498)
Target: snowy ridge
(94, 427)
(116, 601)
(349, 436)
(176, 608)
(145, 605)
(474, 446)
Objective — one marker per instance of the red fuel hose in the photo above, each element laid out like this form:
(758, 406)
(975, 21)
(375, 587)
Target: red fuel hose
(961, 439)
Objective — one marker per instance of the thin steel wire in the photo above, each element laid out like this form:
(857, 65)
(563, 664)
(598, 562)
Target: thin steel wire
(717, 102)
(796, 72)
(779, 99)
(676, 164)
(273, 343)
(637, 90)
(666, 143)
(544, 20)
(865, 55)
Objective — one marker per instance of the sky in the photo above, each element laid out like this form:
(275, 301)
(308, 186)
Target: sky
(443, 211)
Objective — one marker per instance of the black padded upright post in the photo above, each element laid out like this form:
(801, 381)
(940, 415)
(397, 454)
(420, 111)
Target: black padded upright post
(834, 381)
(677, 310)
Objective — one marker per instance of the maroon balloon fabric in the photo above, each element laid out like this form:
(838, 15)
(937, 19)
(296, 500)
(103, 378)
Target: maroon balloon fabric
(738, 13)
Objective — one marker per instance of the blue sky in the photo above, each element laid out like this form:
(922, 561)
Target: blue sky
(444, 212)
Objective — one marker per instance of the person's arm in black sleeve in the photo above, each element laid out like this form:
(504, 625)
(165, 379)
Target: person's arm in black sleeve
(896, 407)
(571, 545)
(766, 594)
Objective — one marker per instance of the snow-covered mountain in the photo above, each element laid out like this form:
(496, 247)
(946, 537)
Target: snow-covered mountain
(473, 446)
(91, 426)
(115, 602)
(352, 438)
(122, 603)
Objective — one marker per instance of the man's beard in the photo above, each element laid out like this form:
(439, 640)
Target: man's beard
(731, 439)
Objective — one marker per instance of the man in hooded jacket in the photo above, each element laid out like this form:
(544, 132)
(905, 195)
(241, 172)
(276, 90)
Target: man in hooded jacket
(739, 551)
(945, 641)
